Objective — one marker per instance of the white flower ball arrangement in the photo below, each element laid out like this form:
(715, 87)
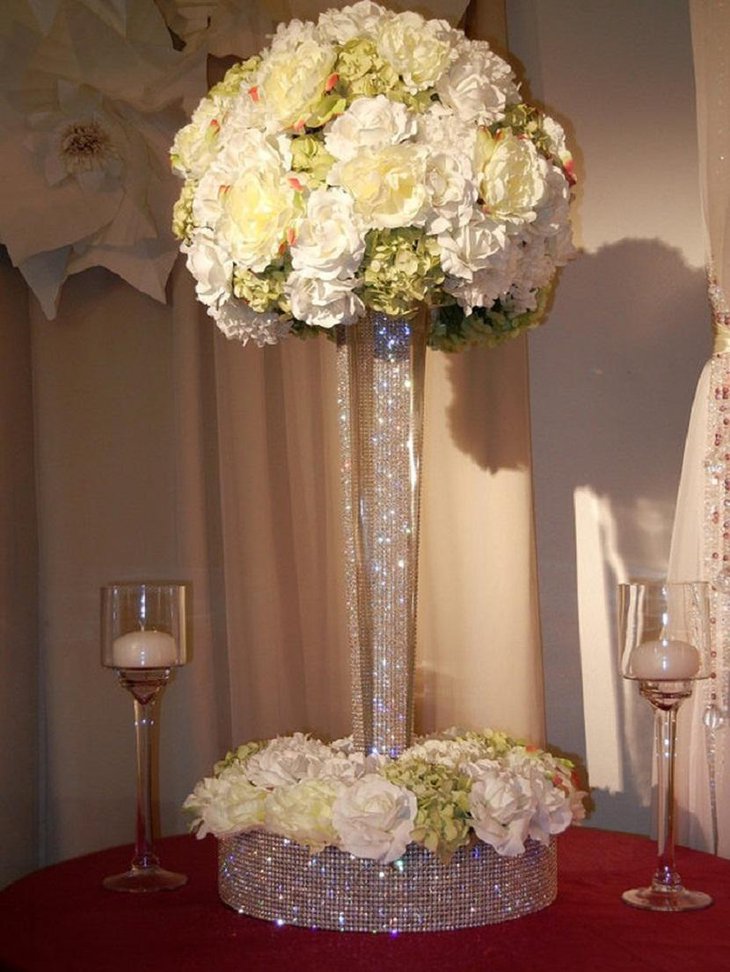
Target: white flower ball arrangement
(444, 792)
(372, 160)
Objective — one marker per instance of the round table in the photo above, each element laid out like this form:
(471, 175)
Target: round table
(60, 919)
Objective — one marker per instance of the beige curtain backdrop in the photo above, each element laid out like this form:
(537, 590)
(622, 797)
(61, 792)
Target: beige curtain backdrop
(703, 781)
(164, 451)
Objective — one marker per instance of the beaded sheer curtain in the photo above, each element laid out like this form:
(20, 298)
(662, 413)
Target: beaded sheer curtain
(701, 538)
(162, 451)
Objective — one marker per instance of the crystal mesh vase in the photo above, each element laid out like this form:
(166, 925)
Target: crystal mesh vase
(381, 370)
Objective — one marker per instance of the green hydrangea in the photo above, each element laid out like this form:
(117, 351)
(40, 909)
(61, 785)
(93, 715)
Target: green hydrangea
(443, 820)
(235, 78)
(309, 155)
(451, 330)
(362, 71)
(262, 291)
(400, 268)
(182, 212)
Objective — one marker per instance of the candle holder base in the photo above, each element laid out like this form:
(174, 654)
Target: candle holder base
(667, 899)
(144, 879)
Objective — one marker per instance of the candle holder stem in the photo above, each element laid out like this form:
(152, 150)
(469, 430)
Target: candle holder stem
(666, 892)
(145, 873)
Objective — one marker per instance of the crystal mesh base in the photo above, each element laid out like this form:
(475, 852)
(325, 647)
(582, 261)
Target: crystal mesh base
(270, 877)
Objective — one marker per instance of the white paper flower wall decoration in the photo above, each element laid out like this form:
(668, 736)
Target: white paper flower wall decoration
(91, 95)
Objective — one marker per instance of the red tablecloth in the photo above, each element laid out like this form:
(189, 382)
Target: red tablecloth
(60, 919)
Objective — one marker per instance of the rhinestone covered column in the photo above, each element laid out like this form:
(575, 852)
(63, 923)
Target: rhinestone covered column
(381, 368)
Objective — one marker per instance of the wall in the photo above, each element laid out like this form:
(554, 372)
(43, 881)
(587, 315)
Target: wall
(613, 372)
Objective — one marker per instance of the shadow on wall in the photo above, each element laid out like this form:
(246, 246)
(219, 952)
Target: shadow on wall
(612, 376)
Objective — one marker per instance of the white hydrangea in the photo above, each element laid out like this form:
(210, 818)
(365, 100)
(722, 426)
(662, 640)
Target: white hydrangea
(226, 805)
(239, 323)
(452, 192)
(369, 123)
(286, 759)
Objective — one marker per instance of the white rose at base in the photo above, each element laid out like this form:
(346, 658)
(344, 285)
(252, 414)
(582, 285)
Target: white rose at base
(502, 806)
(370, 123)
(329, 243)
(323, 303)
(374, 819)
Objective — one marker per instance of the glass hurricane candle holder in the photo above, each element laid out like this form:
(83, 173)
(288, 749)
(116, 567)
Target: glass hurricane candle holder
(664, 645)
(143, 640)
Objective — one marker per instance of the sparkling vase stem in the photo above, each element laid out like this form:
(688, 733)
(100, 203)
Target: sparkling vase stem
(144, 725)
(665, 722)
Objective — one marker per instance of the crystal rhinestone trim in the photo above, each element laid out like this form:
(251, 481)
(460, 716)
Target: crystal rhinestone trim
(270, 877)
(381, 368)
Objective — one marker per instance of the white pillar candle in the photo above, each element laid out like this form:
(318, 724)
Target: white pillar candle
(665, 660)
(144, 649)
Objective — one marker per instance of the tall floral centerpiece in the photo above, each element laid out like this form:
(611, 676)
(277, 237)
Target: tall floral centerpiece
(377, 176)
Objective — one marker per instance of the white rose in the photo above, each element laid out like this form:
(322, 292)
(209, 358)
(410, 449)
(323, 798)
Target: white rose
(359, 20)
(226, 805)
(476, 246)
(513, 177)
(292, 81)
(328, 243)
(388, 186)
(211, 266)
(239, 323)
(374, 819)
(501, 806)
(323, 303)
(285, 759)
(303, 812)
(477, 85)
(417, 49)
(370, 123)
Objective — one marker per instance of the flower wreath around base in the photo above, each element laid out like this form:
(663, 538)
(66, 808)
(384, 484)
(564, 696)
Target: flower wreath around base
(443, 792)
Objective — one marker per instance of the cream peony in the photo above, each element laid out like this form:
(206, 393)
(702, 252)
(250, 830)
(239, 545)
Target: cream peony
(303, 812)
(374, 818)
(292, 82)
(417, 49)
(512, 177)
(196, 145)
(388, 185)
(369, 123)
